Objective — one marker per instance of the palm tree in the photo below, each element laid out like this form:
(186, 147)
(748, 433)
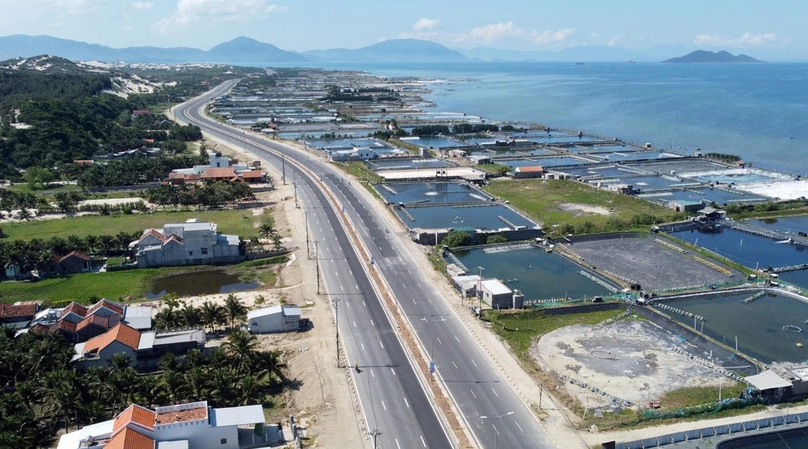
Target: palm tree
(221, 386)
(195, 383)
(91, 242)
(249, 390)
(212, 314)
(63, 399)
(234, 308)
(167, 318)
(189, 315)
(269, 363)
(241, 348)
(106, 242)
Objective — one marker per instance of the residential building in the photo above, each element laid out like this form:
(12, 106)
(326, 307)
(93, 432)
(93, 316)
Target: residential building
(525, 172)
(79, 323)
(280, 318)
(189, 243)
(144, 348)
(219, 168)
(72, 263)
(19, 314)
(193, 425)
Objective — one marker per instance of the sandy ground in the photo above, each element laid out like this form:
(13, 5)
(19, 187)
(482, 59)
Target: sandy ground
(619, 364)
(584, 209)
(321, 397)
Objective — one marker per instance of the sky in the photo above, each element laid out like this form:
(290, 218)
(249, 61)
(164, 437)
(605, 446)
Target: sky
(772, 30)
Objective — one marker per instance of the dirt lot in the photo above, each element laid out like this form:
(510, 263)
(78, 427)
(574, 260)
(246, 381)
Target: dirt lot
(655, 266)
(626, 361)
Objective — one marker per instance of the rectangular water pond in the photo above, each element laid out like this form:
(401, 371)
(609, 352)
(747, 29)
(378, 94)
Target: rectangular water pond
(484, 216)
(673, 166)
(536, 273)
(740, 176)
(706, 195)
(431, 192)
(648, 182)
(432, 142)
(335, 144)
(608, 171)
(634, 156)
(747, 249)
(611, 148)
(768, 327)
(545, 161)
(408, 164)
(786, 225)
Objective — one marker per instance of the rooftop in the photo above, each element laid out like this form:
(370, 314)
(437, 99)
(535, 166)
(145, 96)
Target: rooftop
(171, 414)
(495, 286)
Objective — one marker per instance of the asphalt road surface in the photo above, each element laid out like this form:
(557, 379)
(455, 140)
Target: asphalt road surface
(392, 397)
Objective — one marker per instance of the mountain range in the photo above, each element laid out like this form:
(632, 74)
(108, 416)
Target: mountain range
(247, 51)
(702, 56)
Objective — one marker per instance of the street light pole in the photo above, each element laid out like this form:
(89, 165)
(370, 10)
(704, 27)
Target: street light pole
(336, 315)
(432, 349)
(480, 291)
(496, 422)
(317, 264)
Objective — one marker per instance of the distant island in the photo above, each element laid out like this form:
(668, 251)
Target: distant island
(703, 56)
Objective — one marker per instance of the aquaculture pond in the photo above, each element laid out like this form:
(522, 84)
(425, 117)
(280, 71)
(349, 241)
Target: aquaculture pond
(768, 327)
(747, 249)
(199, 283)
(430, 192)
(536, 273)
(483, 216)
(787, 225)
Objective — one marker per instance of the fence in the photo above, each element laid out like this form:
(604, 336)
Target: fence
(716, 431)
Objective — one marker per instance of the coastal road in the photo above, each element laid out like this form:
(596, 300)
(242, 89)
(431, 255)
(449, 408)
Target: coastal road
(392, 399)
(491, 409)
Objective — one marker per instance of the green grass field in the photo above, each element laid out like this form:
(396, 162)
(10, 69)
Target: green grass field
(553, 202)
(239, 222)
(81, 288)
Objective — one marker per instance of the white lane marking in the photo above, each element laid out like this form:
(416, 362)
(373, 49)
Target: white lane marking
(439, 342)
(398, 445)
(357, 286)
(472, 360)
(422, 441)
(520, 427)
(341, 287)
(413, 301)
(362, 345)
(371, 323)
(495, 392)
(351, 272)
(363, 303)
(348, 304)
(354, 323)
(382, 344)
(495, 428)
(430, 301)
(472, 393)
(406, 403)
(371, 374)
(404, 285)
(419, 284)
(458, 340)
(394, 373)
(384, 406)
(453, 363)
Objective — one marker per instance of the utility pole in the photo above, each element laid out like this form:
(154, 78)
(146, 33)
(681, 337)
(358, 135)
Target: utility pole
(375, 433)
(336, 315)
(317, 265)
(306, 214)
(432, 349)
(283, 168)
(480, 291)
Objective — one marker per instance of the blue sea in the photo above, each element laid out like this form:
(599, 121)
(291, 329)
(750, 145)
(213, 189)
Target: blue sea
(758, 111)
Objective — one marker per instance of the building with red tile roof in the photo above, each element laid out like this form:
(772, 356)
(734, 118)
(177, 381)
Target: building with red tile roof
(18, 312)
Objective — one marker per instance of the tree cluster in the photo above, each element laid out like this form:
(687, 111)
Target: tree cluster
(209, 194)
(41, 393)
(430, 130)
(34, 254)
(129, 171)
(473, 128)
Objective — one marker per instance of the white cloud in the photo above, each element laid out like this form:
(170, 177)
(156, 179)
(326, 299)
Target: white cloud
(550, 36)
(746, 40)
(211, 12)
(73, 6)
(142, 5)
(425, 24)
(494, 32)
(613, 41)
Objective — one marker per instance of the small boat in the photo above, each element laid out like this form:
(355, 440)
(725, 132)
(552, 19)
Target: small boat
(799, 345)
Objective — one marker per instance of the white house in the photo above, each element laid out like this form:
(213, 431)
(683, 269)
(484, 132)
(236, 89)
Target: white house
(189, 243)
(274, 319)
(194, 425)
(499, 296)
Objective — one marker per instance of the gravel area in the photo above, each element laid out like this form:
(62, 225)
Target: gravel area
(655, 266)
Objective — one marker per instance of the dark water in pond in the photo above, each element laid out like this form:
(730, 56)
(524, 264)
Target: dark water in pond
(198, 283)
(758, 324)
(789, 439)
(747, 249)
(548, 276)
